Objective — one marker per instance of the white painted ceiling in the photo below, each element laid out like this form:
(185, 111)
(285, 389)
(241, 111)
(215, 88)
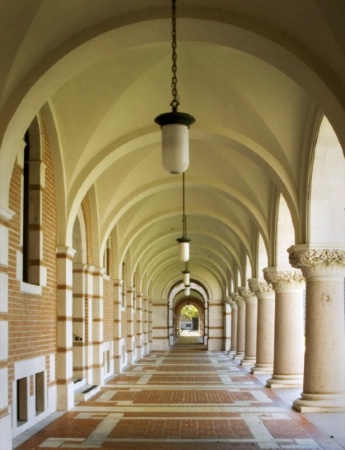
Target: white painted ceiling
(254, 73)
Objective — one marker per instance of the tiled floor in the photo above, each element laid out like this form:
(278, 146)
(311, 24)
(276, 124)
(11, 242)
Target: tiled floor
(186, 398)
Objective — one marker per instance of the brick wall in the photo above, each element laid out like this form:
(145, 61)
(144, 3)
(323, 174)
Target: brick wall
(32, 318)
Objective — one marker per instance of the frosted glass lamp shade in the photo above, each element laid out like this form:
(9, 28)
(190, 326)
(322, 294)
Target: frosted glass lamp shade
(183, 248)
(186, 277)
(175, 140)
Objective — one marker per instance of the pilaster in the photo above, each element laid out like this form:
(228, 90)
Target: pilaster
(117, 324)
(324, 373)
(64, 363)
(6, 216)
(289, 327)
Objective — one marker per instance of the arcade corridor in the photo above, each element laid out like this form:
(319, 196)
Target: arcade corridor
(187, 398)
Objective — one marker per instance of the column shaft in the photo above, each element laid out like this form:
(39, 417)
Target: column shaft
(265, 325)
(250, 326)
(324, 374)
(289, 328)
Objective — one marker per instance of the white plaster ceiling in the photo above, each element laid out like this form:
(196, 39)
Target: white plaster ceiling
(249, 71)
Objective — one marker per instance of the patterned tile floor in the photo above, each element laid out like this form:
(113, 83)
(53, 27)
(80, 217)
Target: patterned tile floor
(186, 398)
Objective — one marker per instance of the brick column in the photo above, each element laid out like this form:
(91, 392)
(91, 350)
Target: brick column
(145, 325)
(241, 326)
(289, 327)
(215, 325)
(265, 325)
(79, 335)
(5, 418)
(64, 359)
(324, 370)
(139, 327)
(251, 325)
(160, 338)
(117, 324)
(130, 338)
(97, 325)
(234, 311)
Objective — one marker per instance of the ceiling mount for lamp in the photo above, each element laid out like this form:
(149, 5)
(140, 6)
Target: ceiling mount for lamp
(174, 124)
(184, 240)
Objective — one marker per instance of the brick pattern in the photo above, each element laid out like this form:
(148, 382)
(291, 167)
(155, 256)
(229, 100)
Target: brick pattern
(32, 318)
(131, 413)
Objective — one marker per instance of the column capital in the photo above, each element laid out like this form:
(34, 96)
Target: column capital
(6, 214)
(284, 279)
(238, 299)
(247, 294)
(65, 251)
(318, 261)
(231, 302)
(260, 287)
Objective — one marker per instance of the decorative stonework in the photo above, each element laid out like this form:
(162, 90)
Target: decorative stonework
(235, 296)
(318, 261)
(6, 214)
(284, 280)
(259, 285)
(244, 291)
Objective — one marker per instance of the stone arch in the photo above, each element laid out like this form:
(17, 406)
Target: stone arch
(327, 187)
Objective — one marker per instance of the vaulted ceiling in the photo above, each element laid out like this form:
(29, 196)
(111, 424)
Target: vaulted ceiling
(256, 75)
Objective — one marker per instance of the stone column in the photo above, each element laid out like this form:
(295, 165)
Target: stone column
(324, 372)
(241, 326)
(289, 327)
(234, 311)
(265, 325)
(79, 335)
(64, 358)
(227, 325)
(251, 325)
(6, 216)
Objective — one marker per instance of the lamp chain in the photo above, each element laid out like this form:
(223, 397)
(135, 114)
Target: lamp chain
(184, 218)
(175, 101)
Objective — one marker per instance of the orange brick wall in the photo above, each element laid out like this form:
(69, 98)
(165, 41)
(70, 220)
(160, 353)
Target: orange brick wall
(32, 318)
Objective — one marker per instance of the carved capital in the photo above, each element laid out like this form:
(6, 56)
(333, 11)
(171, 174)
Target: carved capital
(318, 262)
(247, 294)
(284, 279)
(237, 299)
(261, 288)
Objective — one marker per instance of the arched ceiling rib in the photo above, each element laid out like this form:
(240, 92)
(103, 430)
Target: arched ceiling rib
(250, 75)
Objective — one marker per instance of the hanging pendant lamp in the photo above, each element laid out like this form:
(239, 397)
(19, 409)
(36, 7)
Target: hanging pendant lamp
(175, 124)
(186, 275)
(184, 240)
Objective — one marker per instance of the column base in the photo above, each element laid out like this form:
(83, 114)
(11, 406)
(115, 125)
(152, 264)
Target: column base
(248, 361)
(285, 381)
(262, 368)
(238, 356)
(320, 403)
